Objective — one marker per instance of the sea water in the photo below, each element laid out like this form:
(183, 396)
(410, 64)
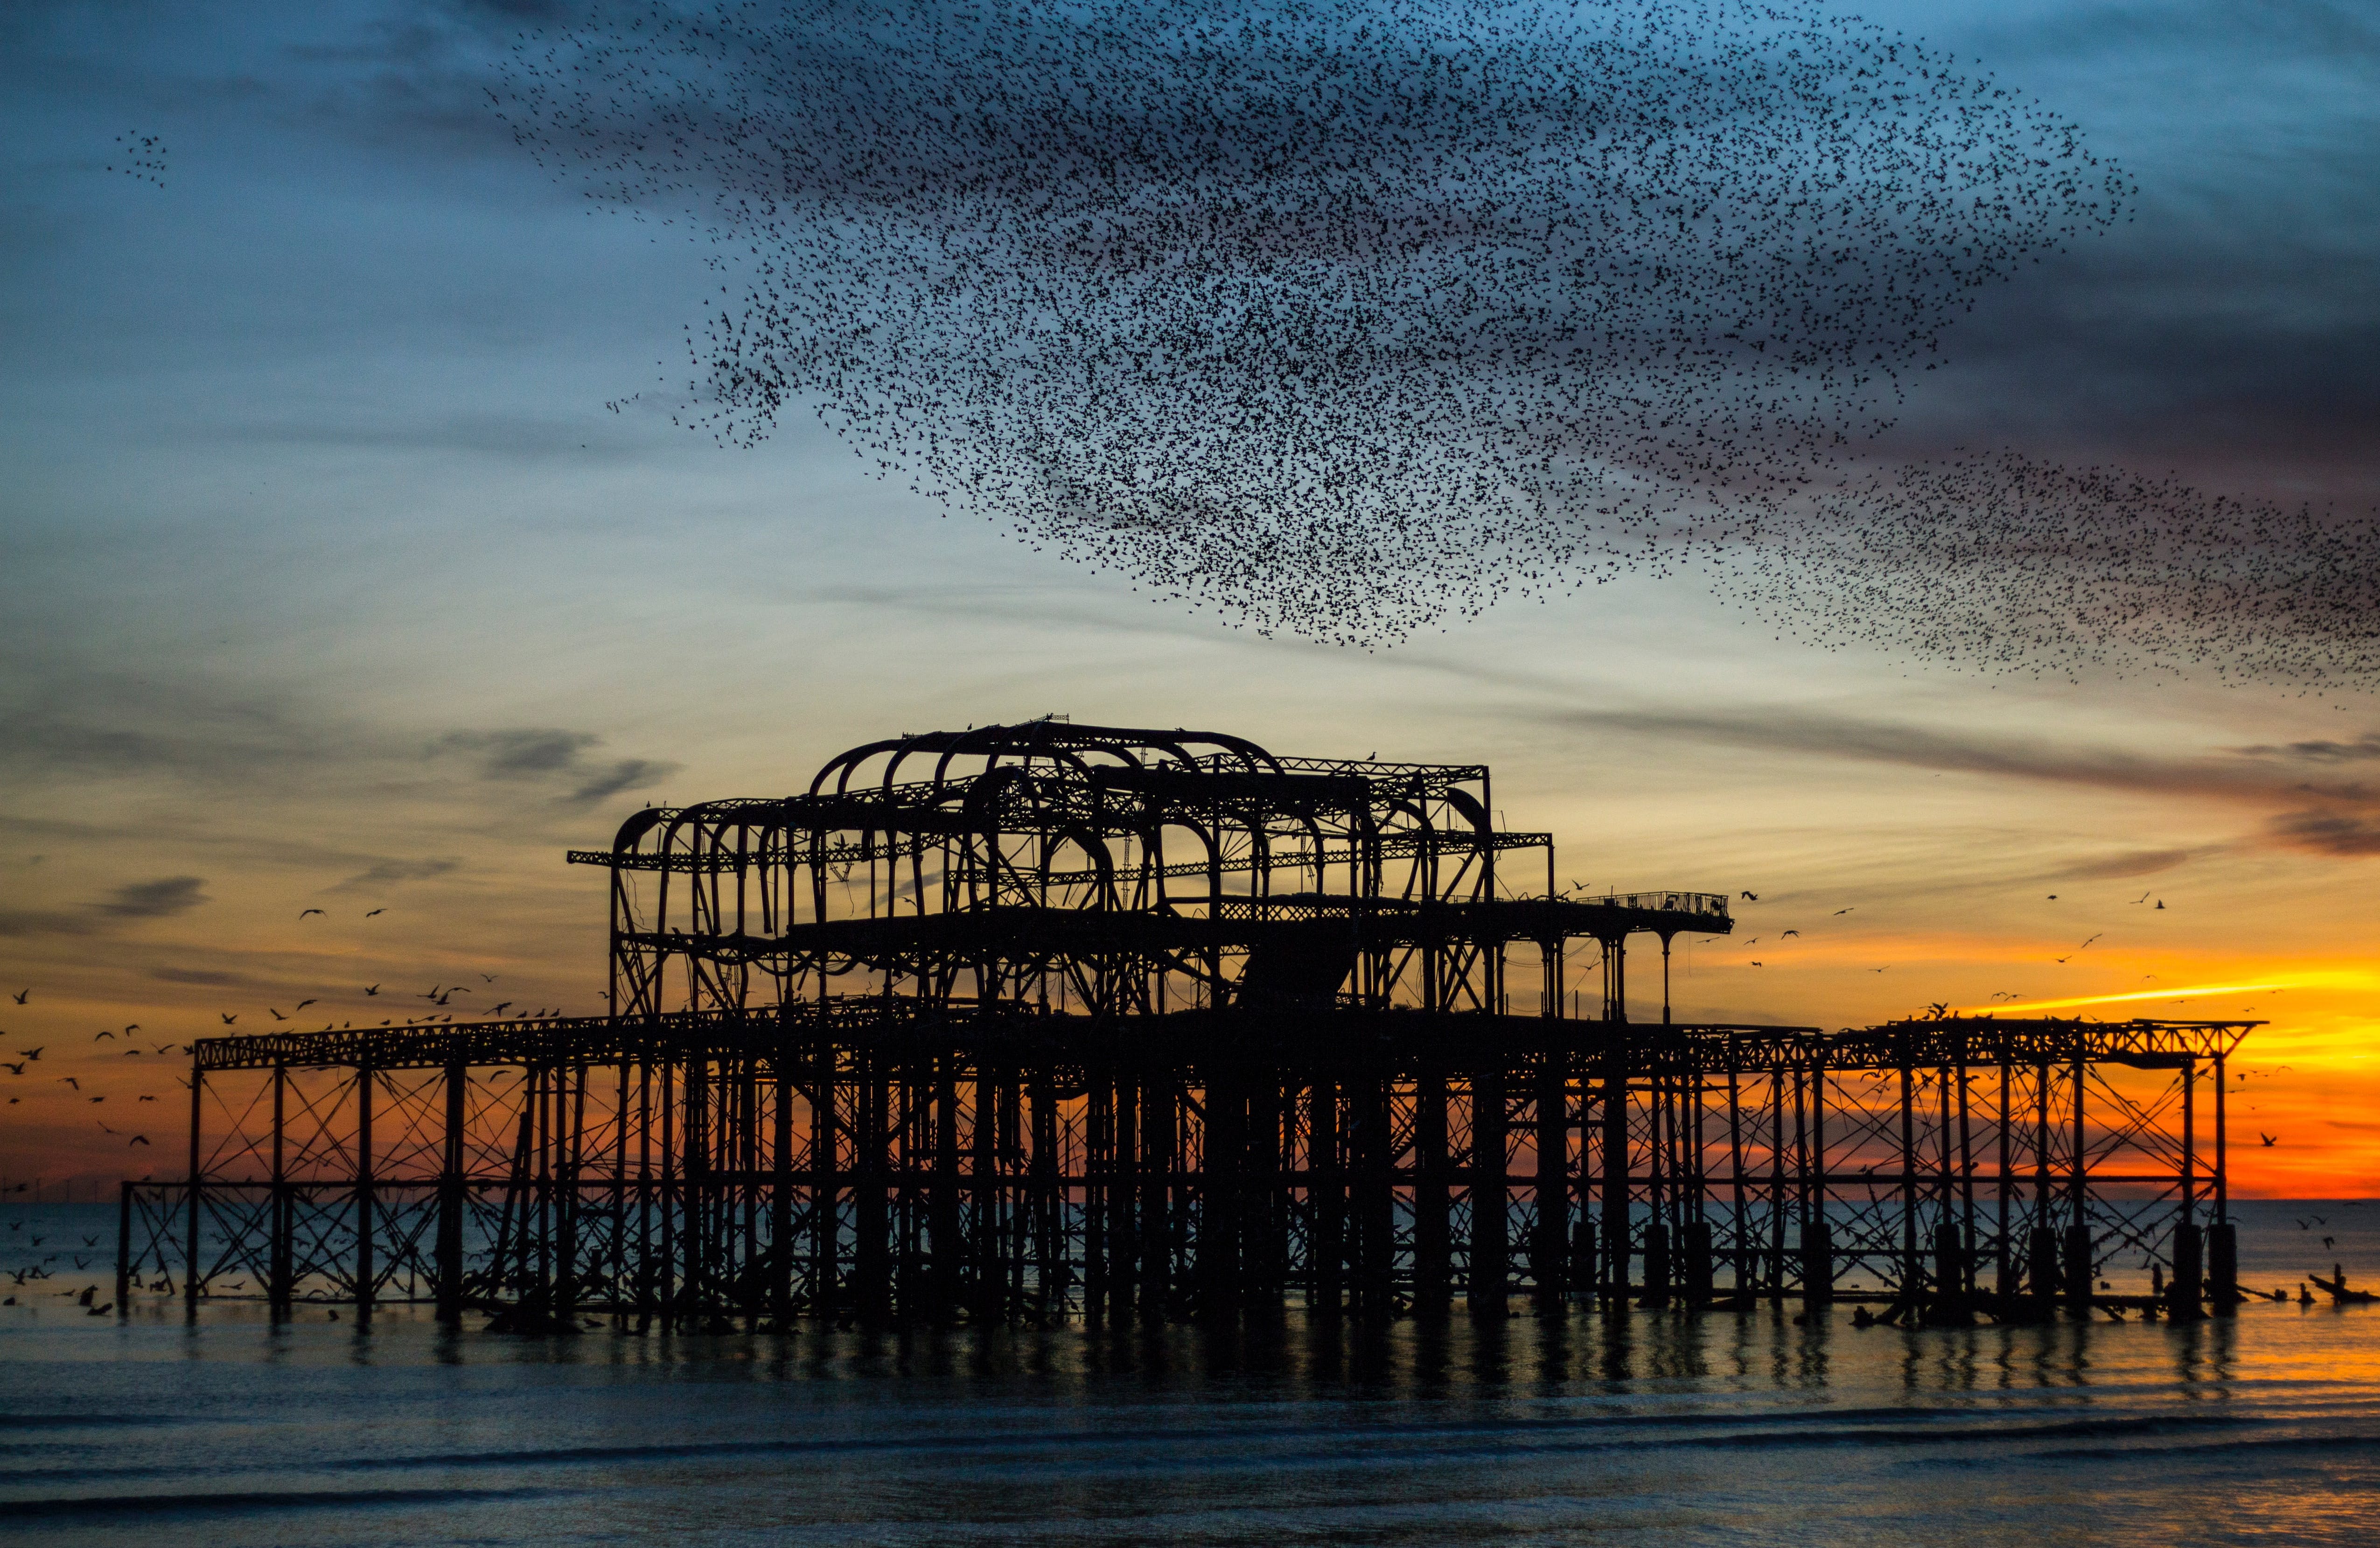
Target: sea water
(1648, 1427)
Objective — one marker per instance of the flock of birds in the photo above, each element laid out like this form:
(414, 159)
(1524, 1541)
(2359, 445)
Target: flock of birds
(1345, 319)
(1942, 1008)
(141, 157)
(440, 995)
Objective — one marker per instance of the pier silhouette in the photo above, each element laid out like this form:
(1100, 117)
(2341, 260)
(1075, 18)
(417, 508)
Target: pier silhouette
(1055, 1021)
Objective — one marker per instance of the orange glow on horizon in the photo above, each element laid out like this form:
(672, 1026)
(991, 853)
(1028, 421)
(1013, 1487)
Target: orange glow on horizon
(2179, 993)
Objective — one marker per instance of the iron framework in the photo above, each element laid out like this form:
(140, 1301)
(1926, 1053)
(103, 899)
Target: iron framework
(1090, 1023)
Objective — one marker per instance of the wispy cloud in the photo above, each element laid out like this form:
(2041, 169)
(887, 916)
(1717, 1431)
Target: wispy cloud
(556, 755)
(162, 898)
(2319, 815)
(628, 774)
(2112, 868)
(2328, 831)
(213, 978)
(523, 754)
(17, 923)
(386, 873)
(2337, 980)
(2360, 749)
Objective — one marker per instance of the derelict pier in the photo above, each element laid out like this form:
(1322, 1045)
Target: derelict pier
(1051, 1022)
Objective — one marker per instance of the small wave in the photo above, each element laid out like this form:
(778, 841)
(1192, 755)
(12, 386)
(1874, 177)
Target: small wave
(1783, 1427)
(247, 1501)
(1952, 1435)
(2268, 1443)
(1782, 1430)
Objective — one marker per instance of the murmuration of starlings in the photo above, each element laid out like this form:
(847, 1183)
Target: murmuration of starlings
(1346, 319)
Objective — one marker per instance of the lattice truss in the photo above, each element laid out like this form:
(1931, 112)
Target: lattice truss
(1109, 872)
(834, 1178)
(1055, 1021)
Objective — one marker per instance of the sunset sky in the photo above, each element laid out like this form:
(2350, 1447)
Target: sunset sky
(328, 582)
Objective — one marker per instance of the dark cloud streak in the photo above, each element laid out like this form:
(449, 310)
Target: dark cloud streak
(2325, 817)
(548, 755)
(162, 898)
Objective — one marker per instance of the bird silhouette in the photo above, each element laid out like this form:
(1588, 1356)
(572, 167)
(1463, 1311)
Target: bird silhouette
(21, 996)
(303, 914)
(228, 1017)
(370, 912)
(2269, 1139)
(372, 990)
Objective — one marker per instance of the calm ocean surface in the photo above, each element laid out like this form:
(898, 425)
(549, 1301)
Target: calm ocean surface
(1658, 1429)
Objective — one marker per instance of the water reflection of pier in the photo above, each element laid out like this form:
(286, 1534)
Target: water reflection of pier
(1097, 1023)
